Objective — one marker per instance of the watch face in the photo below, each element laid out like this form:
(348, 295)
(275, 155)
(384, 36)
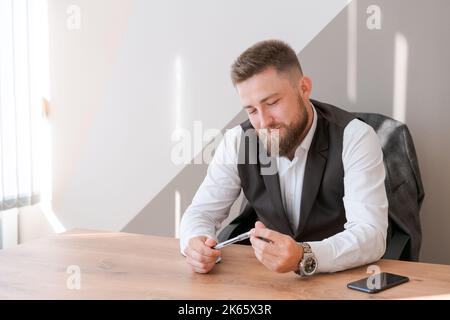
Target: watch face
(310, 265)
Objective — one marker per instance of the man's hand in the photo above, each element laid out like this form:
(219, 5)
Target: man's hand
(282, 254)
(200, 255)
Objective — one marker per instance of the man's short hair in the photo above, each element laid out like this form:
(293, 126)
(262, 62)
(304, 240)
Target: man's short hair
(263, 55)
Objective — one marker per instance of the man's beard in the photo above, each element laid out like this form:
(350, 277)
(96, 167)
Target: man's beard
(284, 145)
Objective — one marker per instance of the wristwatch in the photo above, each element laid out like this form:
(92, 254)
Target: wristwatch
(308, 264)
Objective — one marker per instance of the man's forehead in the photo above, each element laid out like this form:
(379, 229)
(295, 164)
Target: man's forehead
(260, 86)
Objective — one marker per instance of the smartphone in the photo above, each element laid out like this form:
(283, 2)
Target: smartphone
(378, 282)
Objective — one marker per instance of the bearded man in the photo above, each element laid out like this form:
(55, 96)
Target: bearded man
(324, 208)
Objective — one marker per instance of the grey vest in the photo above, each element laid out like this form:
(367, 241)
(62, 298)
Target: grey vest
(322, 212)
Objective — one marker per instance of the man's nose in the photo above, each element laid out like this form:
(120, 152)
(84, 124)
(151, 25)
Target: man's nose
(265, 120)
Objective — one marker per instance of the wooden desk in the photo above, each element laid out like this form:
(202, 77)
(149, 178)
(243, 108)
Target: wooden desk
(130, 266)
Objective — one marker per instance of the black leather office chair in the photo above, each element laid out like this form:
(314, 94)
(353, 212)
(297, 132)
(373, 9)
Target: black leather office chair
(403, 186)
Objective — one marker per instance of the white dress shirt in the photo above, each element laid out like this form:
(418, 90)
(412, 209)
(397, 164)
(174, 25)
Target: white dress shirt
(366, 207)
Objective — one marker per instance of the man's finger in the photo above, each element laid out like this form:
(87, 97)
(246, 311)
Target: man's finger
(266, 234)
(197, 264)
(266, 255)
(259, 224)
(210, 242)
(206, 251)
(203, 249)
(268, 263)
(263, 246)
(200, 269)
(201, 258)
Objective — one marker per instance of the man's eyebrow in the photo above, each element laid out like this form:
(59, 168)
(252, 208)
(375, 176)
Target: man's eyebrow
(263, 100)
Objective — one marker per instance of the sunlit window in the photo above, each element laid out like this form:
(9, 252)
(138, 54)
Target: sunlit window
(24, 85)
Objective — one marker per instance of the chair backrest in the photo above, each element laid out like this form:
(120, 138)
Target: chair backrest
(403, 186)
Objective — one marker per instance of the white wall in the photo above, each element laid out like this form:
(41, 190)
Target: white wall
(19, 225)
(33, 224)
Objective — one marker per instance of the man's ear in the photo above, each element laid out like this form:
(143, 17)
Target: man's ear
(306, 87)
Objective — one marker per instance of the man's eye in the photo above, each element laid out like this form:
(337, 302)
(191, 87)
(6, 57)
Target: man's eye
(273, 103)
(252, 111)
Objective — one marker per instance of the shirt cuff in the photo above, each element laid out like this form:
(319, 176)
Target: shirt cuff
(323, 251)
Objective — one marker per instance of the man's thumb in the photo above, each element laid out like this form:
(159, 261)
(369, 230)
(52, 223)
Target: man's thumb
(260, 225)
(210, 242)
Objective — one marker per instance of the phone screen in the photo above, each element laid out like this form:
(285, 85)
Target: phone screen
(378, 282)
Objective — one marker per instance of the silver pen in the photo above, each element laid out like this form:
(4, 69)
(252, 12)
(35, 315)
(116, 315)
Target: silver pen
(233, 240)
